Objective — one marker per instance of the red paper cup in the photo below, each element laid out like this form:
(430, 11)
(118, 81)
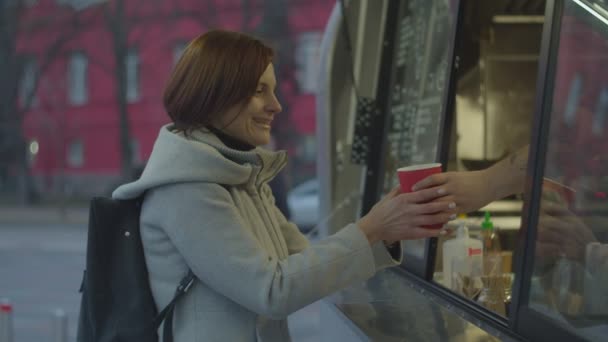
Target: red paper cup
(410, 175)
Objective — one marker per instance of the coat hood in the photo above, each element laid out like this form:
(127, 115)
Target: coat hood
(201, 157)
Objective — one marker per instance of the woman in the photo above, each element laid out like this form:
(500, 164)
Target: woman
(208, 206)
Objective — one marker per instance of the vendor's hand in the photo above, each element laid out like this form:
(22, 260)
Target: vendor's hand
(470, 190)
(400, 216)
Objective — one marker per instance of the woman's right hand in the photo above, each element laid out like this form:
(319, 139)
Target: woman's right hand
(401, 216)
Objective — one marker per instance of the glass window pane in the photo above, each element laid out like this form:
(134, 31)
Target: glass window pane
(494, 99)
(77, 79)
(79, 4)
(27, 89)
(178, 50)
(75, 154)
(135, 152)
(132, 75)
(420, 69)
(570, 277)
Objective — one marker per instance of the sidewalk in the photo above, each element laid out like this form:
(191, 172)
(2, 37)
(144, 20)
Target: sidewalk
(32, 252)
(46, 214)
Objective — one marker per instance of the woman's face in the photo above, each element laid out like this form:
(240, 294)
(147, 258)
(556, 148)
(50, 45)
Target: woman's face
(251, 123)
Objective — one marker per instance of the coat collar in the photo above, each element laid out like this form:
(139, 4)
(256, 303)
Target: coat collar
(265, 164)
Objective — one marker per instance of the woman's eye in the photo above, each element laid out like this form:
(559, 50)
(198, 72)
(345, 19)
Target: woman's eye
(259, 91)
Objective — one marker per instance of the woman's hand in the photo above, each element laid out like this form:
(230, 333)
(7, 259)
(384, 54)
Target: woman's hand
(401, 216)
(470, 190)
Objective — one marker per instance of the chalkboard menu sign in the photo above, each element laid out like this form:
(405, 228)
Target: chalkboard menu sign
(418, 79)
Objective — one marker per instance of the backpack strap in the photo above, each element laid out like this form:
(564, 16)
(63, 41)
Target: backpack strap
(166, 314)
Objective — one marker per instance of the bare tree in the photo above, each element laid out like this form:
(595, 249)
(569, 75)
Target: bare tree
(117, 24)
(13, 107)
(120, 24)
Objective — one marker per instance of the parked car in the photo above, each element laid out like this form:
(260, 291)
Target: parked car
(303, 202)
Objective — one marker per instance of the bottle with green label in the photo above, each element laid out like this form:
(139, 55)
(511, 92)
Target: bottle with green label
(492, 257)
(493, 295)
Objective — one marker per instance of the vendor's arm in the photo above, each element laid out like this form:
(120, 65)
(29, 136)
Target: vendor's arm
(471, 190)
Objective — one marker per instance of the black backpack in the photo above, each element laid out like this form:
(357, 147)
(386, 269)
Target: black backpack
(117, 303)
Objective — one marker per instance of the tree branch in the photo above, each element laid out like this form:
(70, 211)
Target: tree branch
(53, 51)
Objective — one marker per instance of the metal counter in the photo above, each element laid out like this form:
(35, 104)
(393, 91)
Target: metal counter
(390, 307)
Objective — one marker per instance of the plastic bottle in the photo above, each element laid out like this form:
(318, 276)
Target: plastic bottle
(462, 262)
(493, 295)
(492, 257)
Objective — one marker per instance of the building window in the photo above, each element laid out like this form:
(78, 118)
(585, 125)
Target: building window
(178, 50)
(75, 154)
(79, 4)
(132, 65)
(78, 93)
(135, 151)
(28, 82)
(307, 61)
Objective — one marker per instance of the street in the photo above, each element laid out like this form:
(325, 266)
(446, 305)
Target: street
(41, 270)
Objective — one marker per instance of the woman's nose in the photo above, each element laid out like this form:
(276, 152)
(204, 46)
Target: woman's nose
(274, 105)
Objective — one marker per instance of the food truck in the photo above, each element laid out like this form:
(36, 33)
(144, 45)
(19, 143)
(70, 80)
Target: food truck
(467, 83)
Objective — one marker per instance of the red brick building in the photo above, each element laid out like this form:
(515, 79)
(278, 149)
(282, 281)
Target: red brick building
(72, 85)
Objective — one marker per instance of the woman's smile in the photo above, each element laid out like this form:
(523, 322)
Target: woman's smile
(264, 123)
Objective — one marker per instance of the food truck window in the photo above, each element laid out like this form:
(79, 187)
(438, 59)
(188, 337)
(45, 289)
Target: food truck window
(495, 92)
(567, 279)
(419, 74)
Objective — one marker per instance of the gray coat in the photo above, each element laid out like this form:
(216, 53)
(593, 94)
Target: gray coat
(209, 208)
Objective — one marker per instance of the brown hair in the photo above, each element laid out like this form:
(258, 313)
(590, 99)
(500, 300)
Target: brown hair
(216, 71)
